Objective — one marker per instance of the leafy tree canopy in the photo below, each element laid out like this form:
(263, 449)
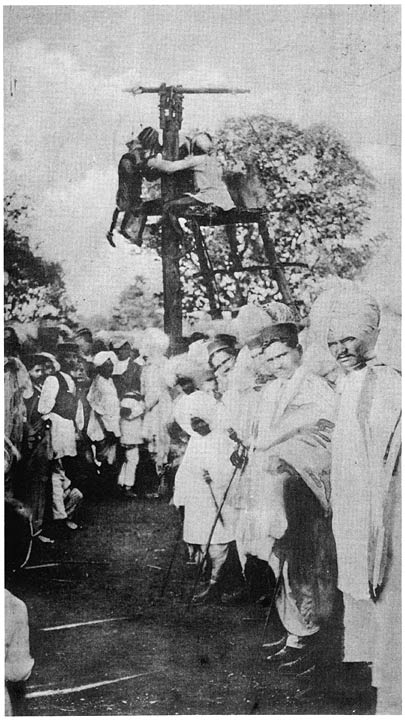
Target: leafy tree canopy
(317, 197)
(34, 287)
(137, 307)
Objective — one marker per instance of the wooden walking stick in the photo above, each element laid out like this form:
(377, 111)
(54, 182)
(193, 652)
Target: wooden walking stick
(169, 568)
(273, 600)
(238, 459)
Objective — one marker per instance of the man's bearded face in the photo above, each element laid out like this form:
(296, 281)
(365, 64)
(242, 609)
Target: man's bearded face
(349, 351)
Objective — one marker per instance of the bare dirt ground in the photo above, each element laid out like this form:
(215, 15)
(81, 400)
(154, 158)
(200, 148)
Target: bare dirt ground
(198, 660)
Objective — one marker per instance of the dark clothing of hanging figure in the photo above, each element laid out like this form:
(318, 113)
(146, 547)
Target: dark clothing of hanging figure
(129, 191)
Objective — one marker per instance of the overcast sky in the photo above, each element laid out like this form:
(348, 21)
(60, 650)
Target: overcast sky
(67, 119)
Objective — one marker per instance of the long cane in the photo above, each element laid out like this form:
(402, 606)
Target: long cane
(273, 600)
(208, 481)
(204, 560)
(174, 553)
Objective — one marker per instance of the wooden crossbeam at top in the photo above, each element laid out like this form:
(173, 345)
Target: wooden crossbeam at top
(140, 89)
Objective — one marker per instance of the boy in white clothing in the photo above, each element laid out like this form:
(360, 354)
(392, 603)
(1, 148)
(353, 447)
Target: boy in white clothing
(131, 417)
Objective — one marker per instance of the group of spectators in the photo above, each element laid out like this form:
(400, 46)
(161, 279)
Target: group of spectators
(280, 441)
(79, 421)
(294, 456)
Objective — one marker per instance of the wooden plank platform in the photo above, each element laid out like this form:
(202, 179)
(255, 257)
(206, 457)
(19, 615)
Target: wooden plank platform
(207, 217)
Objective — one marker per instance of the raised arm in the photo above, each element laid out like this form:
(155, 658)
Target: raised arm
(171, 166)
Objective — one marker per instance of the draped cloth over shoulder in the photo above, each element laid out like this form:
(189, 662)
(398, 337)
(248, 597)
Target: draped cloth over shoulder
(292, 431)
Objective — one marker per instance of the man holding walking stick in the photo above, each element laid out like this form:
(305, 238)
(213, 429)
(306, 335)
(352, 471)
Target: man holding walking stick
(201, 481)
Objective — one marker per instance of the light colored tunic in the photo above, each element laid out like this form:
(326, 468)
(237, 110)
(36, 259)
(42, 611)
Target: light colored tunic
(103, 400)
(205, 454)
(158, 408)
(18, 661)
(286, 427)
(211, 189)
(366, 523)
(63, 433)
(208, 180)
(131, 426)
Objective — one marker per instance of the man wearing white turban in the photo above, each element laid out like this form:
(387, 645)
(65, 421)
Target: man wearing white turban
(59, 405)
(201, 481)
(365, 488)
(104, 428)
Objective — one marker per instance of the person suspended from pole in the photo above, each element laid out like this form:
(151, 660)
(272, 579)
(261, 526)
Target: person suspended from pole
(210, 189)
(133, 167)
(131, 170)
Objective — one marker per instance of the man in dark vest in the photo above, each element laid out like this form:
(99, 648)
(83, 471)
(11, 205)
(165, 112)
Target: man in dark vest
(59, 405)
(127, 372)
(131, 169)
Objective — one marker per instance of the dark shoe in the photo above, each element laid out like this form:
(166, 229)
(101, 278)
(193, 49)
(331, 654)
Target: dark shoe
(133, 240)
(128, 492)
(210, 595)
(109, 237)
(283, 655)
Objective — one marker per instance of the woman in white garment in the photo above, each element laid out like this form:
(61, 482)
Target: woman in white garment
(200, 484)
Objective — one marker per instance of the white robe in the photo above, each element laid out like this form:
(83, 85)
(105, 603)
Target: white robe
(158, 408)
(284, 426)
(210, 453)
(366, 523)
(103, 400)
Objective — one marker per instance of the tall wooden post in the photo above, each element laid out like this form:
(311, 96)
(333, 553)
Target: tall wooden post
(170, 108)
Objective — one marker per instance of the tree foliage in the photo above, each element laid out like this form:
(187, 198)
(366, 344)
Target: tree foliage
(34, 287)
(317, 198)
(138, 307)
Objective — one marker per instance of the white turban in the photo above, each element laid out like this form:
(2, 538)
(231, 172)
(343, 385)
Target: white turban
(51, 358)
(197, 404)
(103, 356)
(252, 319)
(154, 342)
(345, 311)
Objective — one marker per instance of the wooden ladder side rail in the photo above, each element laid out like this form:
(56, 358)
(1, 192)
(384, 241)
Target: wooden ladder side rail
(206, 272)
(275, 267)
(233, 245)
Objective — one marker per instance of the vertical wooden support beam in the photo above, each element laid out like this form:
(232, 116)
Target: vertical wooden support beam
(206, 271)
(170, 121)
(233, 245)
(276, 270)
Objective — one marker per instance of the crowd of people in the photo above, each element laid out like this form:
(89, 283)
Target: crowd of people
(282, 442)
